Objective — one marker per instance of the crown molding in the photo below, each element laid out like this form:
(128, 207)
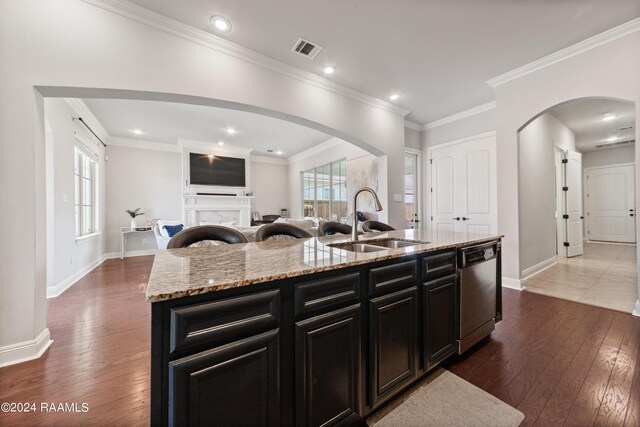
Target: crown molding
(413, 126)
(187, 32)
(323, 146)
(461, 115)
(142, 144)
(566, 53)
(80, 109)
(270, 160)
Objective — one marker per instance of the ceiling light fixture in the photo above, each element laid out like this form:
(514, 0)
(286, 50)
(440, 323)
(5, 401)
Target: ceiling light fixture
(279, 152)
(612, 138)
(220, 142)
(220, 23)
(231, 131)
(329, 70)
(137, 131)
(608, 117)
(394, 97)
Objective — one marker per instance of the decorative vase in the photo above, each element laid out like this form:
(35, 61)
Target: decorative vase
(134, 225)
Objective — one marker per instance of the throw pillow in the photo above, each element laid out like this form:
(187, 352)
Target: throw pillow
(172, 230)
(162, 223)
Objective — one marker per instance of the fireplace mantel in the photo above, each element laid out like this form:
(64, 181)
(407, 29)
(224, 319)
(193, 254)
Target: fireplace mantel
(198, 209)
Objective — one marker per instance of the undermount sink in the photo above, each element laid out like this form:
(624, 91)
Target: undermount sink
(375, 246)
(359, 247)
(394, 244)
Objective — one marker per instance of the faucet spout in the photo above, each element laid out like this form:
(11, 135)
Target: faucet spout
(354, 228)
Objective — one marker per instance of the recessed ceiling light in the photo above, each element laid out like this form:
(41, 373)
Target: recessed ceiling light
(137, 131)
(279, 152)
(612, 138)
(394, 97)
(328, 70)
(231, 131)
(220, 142)
(608, 116)
(220, 23)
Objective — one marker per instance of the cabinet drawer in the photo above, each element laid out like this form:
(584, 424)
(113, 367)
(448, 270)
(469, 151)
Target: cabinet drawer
(439, 265)
(224, 319)
(392, 276)
(326, 293)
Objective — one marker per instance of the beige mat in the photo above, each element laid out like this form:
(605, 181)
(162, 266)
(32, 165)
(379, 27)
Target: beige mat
(444, 399)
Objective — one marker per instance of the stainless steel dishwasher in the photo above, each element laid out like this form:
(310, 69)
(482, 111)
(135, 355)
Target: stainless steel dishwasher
(478, 279)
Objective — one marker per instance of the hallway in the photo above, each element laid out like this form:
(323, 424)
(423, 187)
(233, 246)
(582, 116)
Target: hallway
(605, 276)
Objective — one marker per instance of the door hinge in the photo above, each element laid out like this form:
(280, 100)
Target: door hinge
(432, 189)
(431, 218)
(588, 231)
(430, 161)
(565, 188)
(566, 244)
(565, 160)
(565, 216)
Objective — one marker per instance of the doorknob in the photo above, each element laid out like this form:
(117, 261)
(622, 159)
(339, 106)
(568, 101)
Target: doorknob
(464, 218)
(456, 218)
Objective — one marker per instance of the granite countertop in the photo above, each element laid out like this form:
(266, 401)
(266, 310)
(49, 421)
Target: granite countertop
(178, 273)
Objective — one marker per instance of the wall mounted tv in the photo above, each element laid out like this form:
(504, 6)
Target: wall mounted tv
(207, 169)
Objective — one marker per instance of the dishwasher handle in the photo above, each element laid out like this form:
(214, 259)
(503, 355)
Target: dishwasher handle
(476, 254)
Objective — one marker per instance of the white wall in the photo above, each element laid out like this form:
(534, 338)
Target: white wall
(609, 70)
(71, 257)
(476, 124)
(58, 48)
(412, 139)
(140, 178)
(613, 156)
(537, 187)
(270, 186)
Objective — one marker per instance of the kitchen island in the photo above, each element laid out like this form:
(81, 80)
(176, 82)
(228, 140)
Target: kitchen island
(304, 331)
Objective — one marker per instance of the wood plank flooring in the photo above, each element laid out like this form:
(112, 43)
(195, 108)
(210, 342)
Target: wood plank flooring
(557, 361)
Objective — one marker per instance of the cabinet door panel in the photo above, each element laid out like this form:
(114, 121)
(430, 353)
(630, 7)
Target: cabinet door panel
(393, 342)
(328, 373)
(215, 386)
(439, 317)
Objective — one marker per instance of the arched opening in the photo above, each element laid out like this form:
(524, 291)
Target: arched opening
(576, 186)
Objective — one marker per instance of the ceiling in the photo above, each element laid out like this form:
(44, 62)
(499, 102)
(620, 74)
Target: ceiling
(166, 122)
(437, 54)
(584, 118)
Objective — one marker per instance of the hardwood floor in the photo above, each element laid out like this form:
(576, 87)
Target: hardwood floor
(557, 361)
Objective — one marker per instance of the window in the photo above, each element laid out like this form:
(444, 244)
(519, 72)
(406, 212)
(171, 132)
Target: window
(86, 195)
(324, 191)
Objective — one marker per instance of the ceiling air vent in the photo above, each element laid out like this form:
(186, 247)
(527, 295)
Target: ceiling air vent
(616, 144)
(624, 128)
(306, 48)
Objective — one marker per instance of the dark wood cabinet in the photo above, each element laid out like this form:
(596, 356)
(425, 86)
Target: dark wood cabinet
(393, 343)
(439, 319)
(236, 384)
(328, 370)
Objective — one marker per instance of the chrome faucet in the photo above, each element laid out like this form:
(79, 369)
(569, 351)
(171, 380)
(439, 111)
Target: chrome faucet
(354, 228)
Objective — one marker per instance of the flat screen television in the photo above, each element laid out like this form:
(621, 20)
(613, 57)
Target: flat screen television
(207, 169)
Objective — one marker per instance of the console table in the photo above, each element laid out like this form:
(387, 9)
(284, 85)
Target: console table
(128, 230)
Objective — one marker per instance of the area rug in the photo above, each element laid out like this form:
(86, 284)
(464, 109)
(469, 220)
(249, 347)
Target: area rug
(444, 399)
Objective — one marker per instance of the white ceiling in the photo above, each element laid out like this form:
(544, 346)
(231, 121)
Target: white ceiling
(584, 118)
(437, 53)
(166, 122)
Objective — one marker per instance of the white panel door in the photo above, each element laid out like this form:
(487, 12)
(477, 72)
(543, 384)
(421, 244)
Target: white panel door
(573, 181)
(610, 204)
(464, 188)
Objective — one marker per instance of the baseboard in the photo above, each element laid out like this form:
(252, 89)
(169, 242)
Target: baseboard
(59, 288)
(128, 254)
(25, 351)
(532, 271)
(508, 282)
